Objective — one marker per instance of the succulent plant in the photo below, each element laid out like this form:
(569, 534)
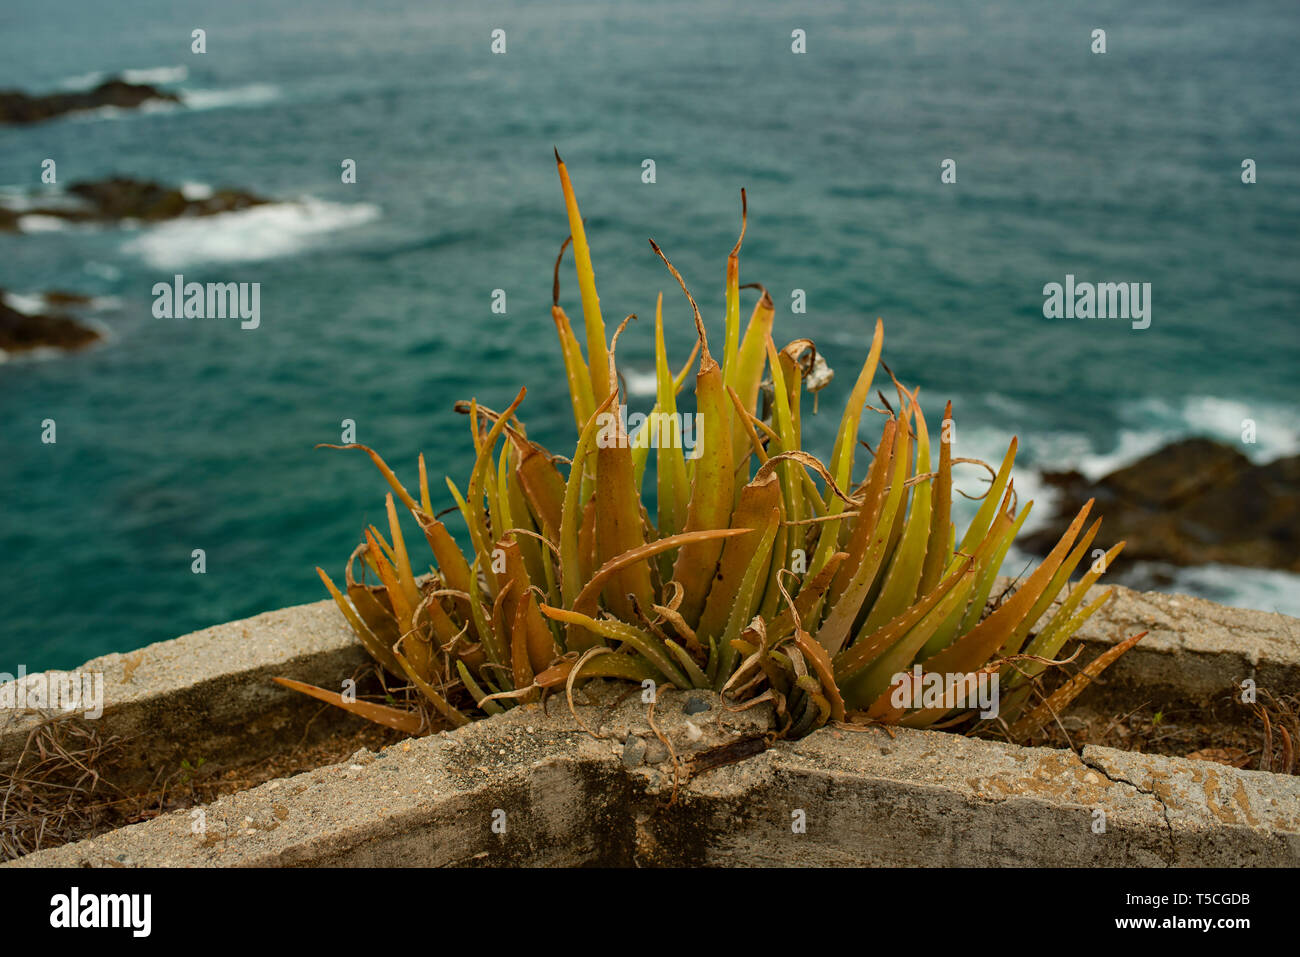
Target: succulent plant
(765, 574)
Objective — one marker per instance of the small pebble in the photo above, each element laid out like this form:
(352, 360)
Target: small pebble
(695, 704)
(634, 752)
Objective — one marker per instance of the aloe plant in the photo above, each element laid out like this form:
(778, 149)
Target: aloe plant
(765, 573)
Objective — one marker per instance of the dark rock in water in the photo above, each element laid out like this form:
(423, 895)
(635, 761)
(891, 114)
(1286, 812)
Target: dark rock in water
(122, 198)
(60, 297)
(1191, 503)
(119, 198)
(20, 332)
(18, 107)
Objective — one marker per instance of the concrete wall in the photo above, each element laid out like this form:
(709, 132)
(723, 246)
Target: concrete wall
(566, 797)
(209, 694)
(558, 796)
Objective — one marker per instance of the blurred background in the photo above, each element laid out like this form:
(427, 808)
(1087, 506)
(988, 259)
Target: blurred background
(376, 296)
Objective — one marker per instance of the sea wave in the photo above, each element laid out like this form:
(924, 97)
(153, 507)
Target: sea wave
(261, 232)
(1147, 425)
(117, 112)
(640, 382)
(1263, 589)
(38, 354)
(155, 76)
(83, 81)
(18, 199)
(1163, 420)
(36, 223)
(28, 305)
(196, 192)
(254, 94)
(36, 303)
(250, 94)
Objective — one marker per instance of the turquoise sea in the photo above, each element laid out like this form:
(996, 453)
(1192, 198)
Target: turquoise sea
(376, 296)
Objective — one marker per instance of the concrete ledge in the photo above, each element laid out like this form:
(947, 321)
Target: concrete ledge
(865, 798)
(1195, 649)
(209, 694)
(568, 798)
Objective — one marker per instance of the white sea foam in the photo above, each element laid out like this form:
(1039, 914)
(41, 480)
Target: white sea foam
(154, 76)
(28, 305)
(116, 112)
(16, 199)
(35, 303)
(19, 199)
(1151, 424)
(157, 76)
(1148, 425)
(34, 223)
(990, 445)
(83, 81)
(251, 95)
(1264, 589)
(196, 191)
(639, 382)
(39, 354)
(261, 232)
(1157, 421)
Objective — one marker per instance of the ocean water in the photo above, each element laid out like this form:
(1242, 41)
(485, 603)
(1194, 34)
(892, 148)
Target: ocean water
(376, 296)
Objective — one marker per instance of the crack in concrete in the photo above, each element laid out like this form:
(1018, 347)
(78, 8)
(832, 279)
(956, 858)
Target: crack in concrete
(1164, 808)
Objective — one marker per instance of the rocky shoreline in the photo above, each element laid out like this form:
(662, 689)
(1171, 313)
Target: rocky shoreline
(1193, 502)
(23, 331)
(19, 108)
(121, 198)
(109, 201)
